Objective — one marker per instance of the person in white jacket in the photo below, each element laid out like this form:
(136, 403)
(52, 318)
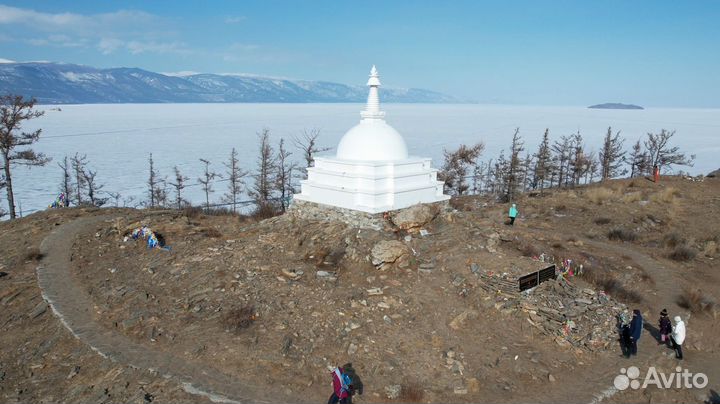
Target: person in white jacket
(678, 337)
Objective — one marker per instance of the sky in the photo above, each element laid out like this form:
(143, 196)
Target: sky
(650, 53)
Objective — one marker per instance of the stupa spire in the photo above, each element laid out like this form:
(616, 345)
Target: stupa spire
(372, 109)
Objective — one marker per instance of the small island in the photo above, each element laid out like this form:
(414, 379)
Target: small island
(615, 105)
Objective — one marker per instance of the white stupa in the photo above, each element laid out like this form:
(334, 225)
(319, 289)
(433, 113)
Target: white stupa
(372, 171)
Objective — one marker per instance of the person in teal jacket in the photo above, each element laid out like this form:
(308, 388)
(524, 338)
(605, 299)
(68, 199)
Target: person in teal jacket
(512, 214)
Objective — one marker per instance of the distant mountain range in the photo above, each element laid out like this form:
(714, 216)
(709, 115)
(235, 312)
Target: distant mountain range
(615, 105)
(60, 83)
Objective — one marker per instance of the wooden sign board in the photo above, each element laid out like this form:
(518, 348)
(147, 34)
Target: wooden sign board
(531, 280)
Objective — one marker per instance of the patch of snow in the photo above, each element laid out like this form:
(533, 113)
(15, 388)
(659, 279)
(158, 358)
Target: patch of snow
(183, 73)
(78, 77)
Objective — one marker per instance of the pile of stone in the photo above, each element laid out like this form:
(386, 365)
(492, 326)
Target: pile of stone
(576, 316)
(498, 283)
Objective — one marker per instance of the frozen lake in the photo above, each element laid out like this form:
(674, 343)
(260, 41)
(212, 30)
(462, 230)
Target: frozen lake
(118, 138)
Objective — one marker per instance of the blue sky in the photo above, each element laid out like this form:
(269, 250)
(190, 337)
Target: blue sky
(652, 53)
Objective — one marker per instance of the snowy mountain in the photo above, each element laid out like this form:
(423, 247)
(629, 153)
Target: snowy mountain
(59, 83)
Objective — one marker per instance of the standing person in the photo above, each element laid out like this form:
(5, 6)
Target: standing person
(636, 326)
(656, 173)
(678, 337)
(665, 327)
(512, 214)
(625, 340)
(345, 384)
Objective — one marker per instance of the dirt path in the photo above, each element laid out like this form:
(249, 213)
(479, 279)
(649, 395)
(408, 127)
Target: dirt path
(73, 307)
(668, 283)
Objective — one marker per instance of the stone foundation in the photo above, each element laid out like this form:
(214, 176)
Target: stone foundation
(316, 211)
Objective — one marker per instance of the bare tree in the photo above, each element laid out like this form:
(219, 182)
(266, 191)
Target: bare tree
(235, 176)
(639, 161)
(661, 154)
(499, 175)
(2, 185)
(562, 149)
(592, 168)
(14, 111)
(115, 196)
(527, 178)
(179, 185)
(66, 184)
(456, 166)
(543, 162)
(515, 168)
(489, 177)
(79, 162)
(284, 176)
(262, 190)
(579, 162)
(93, 188)
(612, 156)
(307, 143)
(153, 183)
(206, 182)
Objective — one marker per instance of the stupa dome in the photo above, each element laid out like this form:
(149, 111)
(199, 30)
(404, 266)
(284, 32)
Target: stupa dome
(372, 139)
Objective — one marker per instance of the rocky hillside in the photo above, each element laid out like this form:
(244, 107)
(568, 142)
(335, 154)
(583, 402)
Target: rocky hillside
(424, 302)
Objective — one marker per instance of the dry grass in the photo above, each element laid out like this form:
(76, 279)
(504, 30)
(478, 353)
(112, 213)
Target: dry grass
(265, 212)
(611, 285)
(683, 253)
(622, 234)
(695, 301)
(667, 195)
(673, 240)
(192, 212)
(33, 254)
(528, 250)
(632, 197)
(600, 195)
(211, 232)
(239, 318)
(602, 220)
(411, 392)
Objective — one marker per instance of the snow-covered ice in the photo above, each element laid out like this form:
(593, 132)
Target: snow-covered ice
(118, 138)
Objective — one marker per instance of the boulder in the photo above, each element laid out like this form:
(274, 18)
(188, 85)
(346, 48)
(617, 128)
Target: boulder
(387, 252)
(714, 174)
(414, 217)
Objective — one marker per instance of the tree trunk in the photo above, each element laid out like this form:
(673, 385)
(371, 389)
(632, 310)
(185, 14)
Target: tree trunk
(8, 185)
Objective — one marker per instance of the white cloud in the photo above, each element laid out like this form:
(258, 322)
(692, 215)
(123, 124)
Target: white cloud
(110, 45)
(58, 40)
(124, 30)
(235, 19)
(72, 22)
(136, 47)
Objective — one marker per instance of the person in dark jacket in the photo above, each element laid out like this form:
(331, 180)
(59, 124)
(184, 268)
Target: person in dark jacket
(636, 326)
(665, 327)
(624, 331)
